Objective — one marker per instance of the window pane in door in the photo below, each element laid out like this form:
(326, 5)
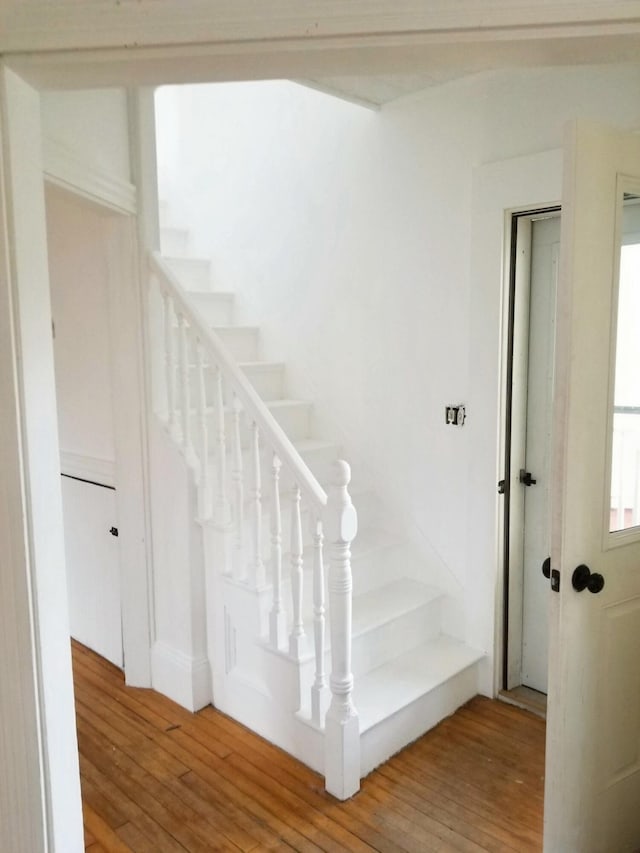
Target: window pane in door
(625, 467)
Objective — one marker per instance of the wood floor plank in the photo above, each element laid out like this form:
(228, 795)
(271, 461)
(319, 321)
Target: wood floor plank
(102, 832)
(164, 768)
(181, 824)
(441, 821)
(158, 779)
(472, 818)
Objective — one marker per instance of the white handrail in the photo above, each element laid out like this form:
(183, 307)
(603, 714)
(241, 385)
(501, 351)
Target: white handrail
(253, 405)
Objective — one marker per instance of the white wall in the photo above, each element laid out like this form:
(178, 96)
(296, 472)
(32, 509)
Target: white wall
(91, 123)
(80, 308)
(347, 235)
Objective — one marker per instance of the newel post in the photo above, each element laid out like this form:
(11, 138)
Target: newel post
(342, 729)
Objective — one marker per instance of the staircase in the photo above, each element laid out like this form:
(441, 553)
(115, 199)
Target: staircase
(342, 668)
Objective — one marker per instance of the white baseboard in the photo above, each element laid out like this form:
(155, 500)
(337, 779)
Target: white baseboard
(89, 468)
(182, 678)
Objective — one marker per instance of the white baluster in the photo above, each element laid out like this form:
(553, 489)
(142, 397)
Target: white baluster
(238, 494)
(257, 564)
(342, 735)
(222, 501)
(185, 387)
(319, 691)
(204, 483)
(277, 626)
(296, 638)
(170, 362)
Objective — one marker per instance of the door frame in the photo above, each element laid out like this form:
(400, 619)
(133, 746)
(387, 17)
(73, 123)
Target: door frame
(500, 189)
(42, 758)
(517, 306)
(128, 474)
(268, 56)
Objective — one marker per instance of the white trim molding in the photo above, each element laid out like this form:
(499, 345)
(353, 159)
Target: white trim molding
(44, 26)
(154, 43)
(100, 471)
(185, 679)
(65, 168)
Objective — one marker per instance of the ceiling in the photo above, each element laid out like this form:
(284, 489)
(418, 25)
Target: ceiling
(376, 90)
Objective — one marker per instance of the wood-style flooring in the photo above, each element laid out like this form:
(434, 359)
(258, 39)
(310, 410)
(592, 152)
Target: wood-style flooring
(156, 778)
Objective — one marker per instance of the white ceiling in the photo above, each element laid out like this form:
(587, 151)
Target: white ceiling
(376, 90)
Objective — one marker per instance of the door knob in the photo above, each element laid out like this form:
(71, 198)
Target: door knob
(526, 478)
(583, 578)
(546, 568)
(114, 531)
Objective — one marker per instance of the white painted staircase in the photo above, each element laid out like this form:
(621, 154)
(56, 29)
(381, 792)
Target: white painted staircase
(284, 643)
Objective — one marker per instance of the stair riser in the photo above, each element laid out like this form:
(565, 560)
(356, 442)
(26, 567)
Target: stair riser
(268, 385)
(372, 648)
(174, 242)
(320, 462)
(371, 570)
(192, 274)
(241, 343)
(385, 642)
(388, 737)
(319, 466)
(215, 308)
(380, 643)
(377, 567)
(269, 382)
(295, 420)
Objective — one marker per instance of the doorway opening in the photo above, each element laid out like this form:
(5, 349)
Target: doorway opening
(534, 257)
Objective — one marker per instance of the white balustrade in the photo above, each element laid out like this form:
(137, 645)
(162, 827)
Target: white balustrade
(337, 514)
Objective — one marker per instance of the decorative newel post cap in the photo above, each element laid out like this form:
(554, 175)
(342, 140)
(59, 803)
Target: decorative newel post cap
(341, 473)
(343, 519)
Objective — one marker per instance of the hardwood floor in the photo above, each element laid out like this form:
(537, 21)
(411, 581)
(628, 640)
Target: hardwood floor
(156, 778)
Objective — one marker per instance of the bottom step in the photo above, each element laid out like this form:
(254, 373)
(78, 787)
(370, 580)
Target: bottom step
(403, 699)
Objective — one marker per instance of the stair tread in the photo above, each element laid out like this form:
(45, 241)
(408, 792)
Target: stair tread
(212, 295)
(235, 328)
(385, 690)
(388, 602)
(261, 365)
(371, 538)
(307, 445)
(375, 608)
(284, 402)
(367, 540)
(179, 259)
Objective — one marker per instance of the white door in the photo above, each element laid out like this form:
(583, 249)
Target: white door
(592, 795)
(93, 571)
(545, 245)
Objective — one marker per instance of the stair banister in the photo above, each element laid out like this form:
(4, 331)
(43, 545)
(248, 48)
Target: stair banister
(253, 405)
(336, 514)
